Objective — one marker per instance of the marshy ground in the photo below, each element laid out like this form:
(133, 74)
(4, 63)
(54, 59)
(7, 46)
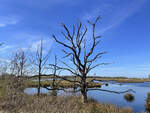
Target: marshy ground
(14, 100)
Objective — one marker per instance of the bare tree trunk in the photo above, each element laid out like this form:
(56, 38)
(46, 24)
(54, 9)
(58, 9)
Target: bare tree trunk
(39, 85)
(53, 83)
(84, 95)
(21, 73)
(84, 90)
(40, 61)
(54, 78)
(39, 77)
(54, 74)
(75, 86)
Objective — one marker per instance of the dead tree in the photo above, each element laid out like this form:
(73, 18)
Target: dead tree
(19, 63)
(54, 73)
(40, 61)
(81, 55)
(22, 63)
(55, 83)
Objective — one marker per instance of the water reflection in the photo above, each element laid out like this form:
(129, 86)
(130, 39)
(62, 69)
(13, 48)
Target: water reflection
(137, 103)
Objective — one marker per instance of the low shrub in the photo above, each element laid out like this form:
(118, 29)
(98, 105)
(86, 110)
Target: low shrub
(129, 97)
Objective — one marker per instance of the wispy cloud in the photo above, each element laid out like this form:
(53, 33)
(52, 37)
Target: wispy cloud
(125, 12)
(113, 14)
(4, 60)
(5, 48)
(47, 44)
(5, 21)
(31, 41)
(5, 52)
(126, 71)
(48, 3)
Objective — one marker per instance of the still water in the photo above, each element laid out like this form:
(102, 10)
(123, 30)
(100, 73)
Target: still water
(138, 104)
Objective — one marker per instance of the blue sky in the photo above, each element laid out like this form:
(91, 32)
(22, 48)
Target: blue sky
(124, 27)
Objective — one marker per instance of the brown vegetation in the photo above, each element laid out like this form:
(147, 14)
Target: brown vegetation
(128, 97)
(147, 105)
(59, 84)
(121, 80)
(15, 101)
(47, 104)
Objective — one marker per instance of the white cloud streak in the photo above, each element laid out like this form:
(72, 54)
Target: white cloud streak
(4, 60)
(5, 21)
(125, 13)
(113, 15)
(47, 44)
(5, 48)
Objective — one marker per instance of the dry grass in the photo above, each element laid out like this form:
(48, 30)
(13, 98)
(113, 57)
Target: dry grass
(60, 84)
(15, 101)
(50, 104)
(147, 105)
(117, 79)
(122, 80)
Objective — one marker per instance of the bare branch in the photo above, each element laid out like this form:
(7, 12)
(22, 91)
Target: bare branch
(61, 68)
(97, 56)
(117, 92)
(90, 68)
(62, 43)
(68, 33)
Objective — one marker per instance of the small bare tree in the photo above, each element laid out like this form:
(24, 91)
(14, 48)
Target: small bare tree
(54, 73)
(19, 63)
(81, 55)
(40, 61)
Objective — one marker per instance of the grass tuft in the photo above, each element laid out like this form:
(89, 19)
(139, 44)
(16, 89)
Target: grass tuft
(129, 97)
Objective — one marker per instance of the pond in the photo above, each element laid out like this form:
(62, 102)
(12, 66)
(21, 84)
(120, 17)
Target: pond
(138, 104)
(45, 79)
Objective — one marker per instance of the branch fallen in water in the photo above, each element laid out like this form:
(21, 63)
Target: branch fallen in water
(89, 89)
(51, 88)
(74, 91)
(117, 92)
